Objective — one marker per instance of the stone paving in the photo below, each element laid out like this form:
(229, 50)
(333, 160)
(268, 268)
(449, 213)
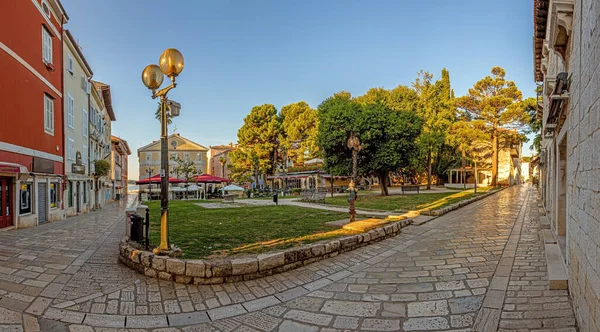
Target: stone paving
(64, 276)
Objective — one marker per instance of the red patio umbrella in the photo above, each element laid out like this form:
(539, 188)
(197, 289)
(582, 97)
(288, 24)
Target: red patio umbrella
(206, 178)
(156, 179)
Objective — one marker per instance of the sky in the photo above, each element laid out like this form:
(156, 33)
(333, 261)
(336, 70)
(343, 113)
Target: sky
(239, 54)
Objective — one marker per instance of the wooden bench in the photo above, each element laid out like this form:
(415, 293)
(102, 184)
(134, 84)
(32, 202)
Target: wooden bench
(228, 198)
(305, 195)
(411, 187)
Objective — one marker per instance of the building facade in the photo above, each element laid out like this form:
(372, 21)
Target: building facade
(77, 88)
(567, 67)
(179, 147)
(101, 121)
(218, 159)
(119, 155)
(32, 144)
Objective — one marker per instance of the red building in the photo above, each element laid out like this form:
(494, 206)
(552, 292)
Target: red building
(31, 115)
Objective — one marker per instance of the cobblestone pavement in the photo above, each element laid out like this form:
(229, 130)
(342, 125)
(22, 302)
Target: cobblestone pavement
(64, 276)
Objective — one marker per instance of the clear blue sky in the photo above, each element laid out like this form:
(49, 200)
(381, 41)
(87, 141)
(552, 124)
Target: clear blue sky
(239, 54)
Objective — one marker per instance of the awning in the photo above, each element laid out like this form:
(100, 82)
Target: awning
(12, 168)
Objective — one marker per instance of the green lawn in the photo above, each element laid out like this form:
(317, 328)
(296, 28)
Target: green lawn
(406, 202)
(202, 232)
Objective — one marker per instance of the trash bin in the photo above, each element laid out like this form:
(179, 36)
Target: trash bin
(275, 199)
(137, 228)
(118, 197)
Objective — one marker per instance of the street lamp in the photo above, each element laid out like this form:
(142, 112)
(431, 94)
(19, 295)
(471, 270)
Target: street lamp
(170, 64)
(353, 144)
(149, 170)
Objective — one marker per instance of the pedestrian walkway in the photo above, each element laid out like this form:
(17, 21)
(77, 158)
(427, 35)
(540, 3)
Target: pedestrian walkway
(64, 276)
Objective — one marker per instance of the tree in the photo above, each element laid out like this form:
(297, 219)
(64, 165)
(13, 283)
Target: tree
(257, 141)
(469, 137)
(222, 161)
(436, 109)
(157, 115)
(299, 128)
(387, 136)
(498, 103)
(185, 168)
(101, 168)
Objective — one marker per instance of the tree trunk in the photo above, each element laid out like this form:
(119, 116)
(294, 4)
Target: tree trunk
(464, 178)
(383, 183)
(495, 156)
(429, 169)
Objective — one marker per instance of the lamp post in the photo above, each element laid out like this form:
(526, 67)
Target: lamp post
(170, 64)
(353, 144)
(149, 170)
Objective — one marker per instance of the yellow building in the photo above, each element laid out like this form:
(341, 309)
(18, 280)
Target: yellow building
(179, 147)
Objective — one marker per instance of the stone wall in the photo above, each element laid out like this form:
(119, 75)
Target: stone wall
(247, 268)
(583, 166)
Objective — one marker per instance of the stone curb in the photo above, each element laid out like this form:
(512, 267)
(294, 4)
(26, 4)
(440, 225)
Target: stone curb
(456, 206)
(206, 272)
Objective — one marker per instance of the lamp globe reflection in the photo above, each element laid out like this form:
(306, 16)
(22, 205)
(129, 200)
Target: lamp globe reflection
(171, 62)
(152, 77)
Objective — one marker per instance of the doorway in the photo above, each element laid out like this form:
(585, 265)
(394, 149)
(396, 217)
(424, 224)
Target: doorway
(561, 194)
(6, 202)
(42, 200)
(77, 195)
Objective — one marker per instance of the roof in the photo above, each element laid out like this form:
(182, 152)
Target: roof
(187, 144)
(78, 51)
(540, 18)
(61, 8)
(105, 89)
(123, 142)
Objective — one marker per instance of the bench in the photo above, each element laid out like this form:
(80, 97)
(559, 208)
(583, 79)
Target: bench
(228, 198)
(319, 197)
(305, 195)
(411, 187)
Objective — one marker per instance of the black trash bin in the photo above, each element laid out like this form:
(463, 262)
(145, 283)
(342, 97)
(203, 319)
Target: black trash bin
(137, 228)
(275, 199)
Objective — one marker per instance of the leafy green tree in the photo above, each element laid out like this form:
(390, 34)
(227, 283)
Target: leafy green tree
(299, 128)
(499, 104)
(101, 168)
(387, 136)
(185, 168)
(436, 109)
(471, 139)
(257, 142)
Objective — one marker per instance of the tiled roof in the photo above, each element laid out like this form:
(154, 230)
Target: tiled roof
(540, 18)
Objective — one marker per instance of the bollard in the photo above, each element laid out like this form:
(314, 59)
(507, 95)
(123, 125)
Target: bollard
(147, 228)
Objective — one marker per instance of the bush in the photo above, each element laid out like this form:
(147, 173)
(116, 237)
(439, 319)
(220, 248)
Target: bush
(296, 190)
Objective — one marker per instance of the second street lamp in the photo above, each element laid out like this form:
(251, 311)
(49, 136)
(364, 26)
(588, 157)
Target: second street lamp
(171, 64)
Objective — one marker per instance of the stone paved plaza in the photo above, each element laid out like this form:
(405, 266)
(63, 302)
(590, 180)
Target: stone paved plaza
(481, 267)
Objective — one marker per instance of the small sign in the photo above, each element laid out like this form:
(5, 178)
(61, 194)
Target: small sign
(77, 169)
(162, 173)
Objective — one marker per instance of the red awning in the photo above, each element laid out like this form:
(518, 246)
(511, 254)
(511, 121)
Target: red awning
(205, 178)
(156, 179)
(12, 168)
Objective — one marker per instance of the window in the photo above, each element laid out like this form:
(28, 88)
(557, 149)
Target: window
(25, 203)
(70, 64)
(46, 46)
(85, 123)
(186, 156)
(148, 156)
(48, 114)
(174, 156)
(54, 194)
(84, 154)
(70, 112)
(46, 9)
(70, 148)
(70, 193)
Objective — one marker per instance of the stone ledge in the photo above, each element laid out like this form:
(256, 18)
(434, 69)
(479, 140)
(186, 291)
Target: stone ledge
(204, 272)
(455, 206)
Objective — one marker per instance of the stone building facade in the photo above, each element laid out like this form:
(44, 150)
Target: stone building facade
(567, 67)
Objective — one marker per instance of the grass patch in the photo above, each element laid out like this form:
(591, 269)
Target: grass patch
(211, 233)
(407, 202)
